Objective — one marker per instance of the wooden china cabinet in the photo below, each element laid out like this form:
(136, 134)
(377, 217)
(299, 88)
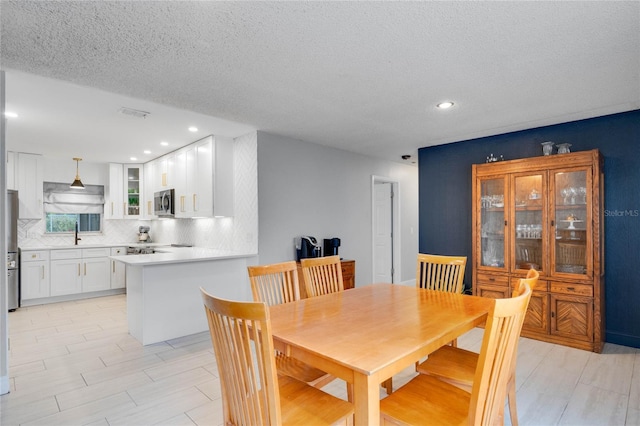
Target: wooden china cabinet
(547, 213)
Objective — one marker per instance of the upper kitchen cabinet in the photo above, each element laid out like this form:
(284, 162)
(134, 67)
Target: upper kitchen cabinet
(134, 189)
(149, 170)
(204, 178)
(29, 185)
(114, 207)
(125, 191)
(544, 213)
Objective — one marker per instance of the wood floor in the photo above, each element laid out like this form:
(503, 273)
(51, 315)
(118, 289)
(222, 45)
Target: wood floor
(74, 363)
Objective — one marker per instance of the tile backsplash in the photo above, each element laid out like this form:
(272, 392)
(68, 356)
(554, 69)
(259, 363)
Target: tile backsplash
(238, 233)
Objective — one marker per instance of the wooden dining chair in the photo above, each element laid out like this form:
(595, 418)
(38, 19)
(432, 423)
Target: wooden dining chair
(426, 399)
(322, 275)
(275, 284)
(457, 366)
(252, 391)
(442, 273)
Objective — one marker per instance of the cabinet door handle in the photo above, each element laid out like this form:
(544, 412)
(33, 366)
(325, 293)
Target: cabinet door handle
(43, 272)
(124, 209)
(78, 269)
(85, 268)
(553, 223)
(113, 262)
(553, 314)
(112, 208)
(195, 209)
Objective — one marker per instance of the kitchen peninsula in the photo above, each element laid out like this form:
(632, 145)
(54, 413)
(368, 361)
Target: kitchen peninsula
(163, 289)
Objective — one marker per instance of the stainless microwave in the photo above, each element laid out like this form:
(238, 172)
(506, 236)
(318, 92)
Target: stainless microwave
(163, 203)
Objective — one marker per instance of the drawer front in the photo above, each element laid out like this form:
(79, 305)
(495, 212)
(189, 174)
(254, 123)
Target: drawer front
(66, 254)
(572, 289)
(347, 267)
(118, 251)
(493, 292)
(96, 252)
(492, 280)
(34, 256)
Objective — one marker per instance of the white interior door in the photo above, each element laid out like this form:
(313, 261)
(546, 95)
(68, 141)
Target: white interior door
(383, 232)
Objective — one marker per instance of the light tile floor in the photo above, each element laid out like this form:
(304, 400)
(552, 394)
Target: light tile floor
(74, 363)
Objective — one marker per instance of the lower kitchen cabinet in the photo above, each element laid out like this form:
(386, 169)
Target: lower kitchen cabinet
(66, 276)
(118, 268)
(79, 271)
(34, 271)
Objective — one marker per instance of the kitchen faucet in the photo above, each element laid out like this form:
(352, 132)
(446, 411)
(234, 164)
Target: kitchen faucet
(76, 236)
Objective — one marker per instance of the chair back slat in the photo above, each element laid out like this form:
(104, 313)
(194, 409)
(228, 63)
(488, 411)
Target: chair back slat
(322, 275)
(497, 356)
(443, 273)
(275, 284)
(246, 364)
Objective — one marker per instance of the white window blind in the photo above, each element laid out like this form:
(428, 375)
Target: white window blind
(60, 198)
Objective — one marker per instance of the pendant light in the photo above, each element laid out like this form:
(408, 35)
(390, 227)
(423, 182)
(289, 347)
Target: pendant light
(77, 183)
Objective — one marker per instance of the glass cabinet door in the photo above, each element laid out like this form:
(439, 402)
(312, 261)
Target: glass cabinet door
(492, 222)
(572, 222)
(529, 218)
(133, 185)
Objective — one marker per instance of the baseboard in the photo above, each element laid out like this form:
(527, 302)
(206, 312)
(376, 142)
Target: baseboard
(622, 339)
(70, 297)
(410, 283)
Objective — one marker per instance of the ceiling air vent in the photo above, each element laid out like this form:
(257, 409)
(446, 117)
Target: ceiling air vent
(133, 112)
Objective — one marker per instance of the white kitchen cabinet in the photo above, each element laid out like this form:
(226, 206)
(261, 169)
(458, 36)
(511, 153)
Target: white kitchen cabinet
(96, 275)
(114, 206)
(204, 178)
(125, 191)
(166, 176)
(66, 277)
(34, 271)
(79, 271)
(214, 178)
(29, 185)
(150, 187)
(118, 268)
(134, 190)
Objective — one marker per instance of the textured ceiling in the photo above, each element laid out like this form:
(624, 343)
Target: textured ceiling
(361, 76)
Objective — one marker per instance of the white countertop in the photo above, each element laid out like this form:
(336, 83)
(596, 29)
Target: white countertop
(167, 255)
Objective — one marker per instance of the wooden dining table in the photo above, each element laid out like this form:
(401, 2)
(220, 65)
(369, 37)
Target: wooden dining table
(367, 334)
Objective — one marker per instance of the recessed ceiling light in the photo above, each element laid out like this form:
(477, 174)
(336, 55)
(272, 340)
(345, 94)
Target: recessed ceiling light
(133, 158)
(193, 129)
(163, 143)
(445, 105)
(10, 114)
(146, 151)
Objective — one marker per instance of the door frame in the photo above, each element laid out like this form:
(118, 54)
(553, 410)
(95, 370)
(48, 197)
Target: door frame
(395, 226)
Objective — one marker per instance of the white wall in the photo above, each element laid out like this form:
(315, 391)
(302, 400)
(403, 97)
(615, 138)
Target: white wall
(310, 189)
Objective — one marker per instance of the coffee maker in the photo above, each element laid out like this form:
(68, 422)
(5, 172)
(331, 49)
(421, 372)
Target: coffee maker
(143, 234)
(307, 247)
(331, 246)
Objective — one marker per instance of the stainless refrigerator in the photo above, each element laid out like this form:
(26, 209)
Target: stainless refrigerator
(13, 260)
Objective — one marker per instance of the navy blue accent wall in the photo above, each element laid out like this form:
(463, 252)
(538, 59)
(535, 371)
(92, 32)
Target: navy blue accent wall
(445, 202)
